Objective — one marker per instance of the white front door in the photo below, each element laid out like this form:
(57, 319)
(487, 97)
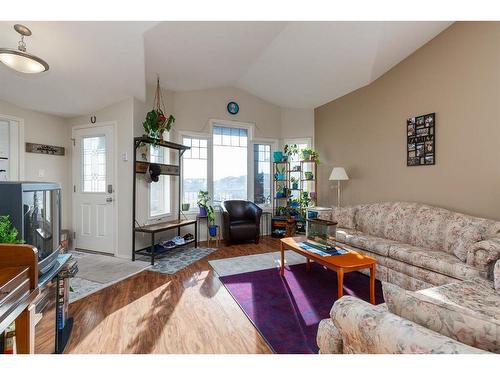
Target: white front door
(93, 188)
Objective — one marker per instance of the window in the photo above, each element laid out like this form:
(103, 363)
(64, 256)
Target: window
(194, 169)
(93, 151)
(262, 173)
(230, 163)
(159, 192)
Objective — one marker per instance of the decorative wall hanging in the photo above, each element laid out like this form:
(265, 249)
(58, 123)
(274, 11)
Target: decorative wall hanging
(44, 149)
(421, 144)
(233, 108)
(156, 121)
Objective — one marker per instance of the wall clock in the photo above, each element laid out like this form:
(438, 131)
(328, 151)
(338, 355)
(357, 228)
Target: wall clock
(233, 108)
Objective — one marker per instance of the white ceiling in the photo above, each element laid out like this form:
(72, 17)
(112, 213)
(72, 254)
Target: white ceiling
(92, 65)
(291, 64)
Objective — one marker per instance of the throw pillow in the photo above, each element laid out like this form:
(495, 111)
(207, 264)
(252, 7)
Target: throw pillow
(344, 216)
(466, 311)
(464, 241)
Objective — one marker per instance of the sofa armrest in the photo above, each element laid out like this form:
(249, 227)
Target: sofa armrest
(329, 339)
(366, 328)
(484, 254)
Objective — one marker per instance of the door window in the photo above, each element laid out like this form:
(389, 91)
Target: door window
(93, 164)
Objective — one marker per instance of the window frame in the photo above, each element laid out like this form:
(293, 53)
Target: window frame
(208, 138)
(249, 127)
(170, 213)
(274, 147)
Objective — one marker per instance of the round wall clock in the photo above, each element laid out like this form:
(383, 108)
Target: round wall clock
(233, 108)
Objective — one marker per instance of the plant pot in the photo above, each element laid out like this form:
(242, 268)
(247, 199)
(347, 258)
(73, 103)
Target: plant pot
(280, 177)
(308, 175)
(306, 155)
(313, 195)
(280, 194)
(203, 212)
(185, 206)
(295, 185)
(212, 230)
(277, 156)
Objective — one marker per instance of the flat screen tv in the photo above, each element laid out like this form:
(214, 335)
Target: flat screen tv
(35, 211)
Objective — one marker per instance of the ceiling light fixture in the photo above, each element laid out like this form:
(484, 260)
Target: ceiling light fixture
(18, 59)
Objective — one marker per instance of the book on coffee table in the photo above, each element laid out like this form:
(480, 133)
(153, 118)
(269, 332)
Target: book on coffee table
(320, 249)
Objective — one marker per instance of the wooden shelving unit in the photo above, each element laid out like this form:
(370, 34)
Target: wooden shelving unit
(165, 169)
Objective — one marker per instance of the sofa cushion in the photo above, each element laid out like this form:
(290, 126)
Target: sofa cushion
(344, 216)
(371, 218)
(363, 241)
(466, 311)
(399, 224)
(437, 261)
(428, 227)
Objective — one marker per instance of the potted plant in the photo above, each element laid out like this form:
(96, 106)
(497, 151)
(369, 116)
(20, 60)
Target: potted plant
(280, 174)
(280, 211)
(8, 234)
(315, 157)
(185, 206)
(280, 192)
(306, 154)
(202, 203)
(295, 183)
(212, 228)
(309, 175)
(291, 150)
(309, 154)
(305, 200)
(157, 121)
(278, 156)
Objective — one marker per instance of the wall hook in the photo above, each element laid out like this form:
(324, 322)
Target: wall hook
(93, 119)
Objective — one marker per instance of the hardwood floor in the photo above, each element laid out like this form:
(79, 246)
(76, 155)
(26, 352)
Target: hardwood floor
(189, 312)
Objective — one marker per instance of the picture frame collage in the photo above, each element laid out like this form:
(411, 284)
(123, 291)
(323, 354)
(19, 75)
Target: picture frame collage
(421, 136)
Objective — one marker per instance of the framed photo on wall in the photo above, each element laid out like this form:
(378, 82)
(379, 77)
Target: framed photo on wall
(421, 140)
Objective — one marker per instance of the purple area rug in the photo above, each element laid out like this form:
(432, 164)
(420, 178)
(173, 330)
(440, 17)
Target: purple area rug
(287, 311)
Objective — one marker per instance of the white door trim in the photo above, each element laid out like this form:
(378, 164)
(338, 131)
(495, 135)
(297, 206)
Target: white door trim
(115, 177)
(20, 146)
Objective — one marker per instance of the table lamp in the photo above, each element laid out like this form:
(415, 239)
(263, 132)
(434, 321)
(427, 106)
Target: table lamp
(338, 174)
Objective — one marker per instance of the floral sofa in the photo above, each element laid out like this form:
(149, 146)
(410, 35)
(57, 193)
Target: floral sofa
(419, 246)
(461, 317)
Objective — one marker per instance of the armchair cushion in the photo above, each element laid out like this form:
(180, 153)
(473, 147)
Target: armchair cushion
(466, 311)
(241, 220)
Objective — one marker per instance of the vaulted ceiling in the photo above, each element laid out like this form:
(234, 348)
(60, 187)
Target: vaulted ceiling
(291, 64)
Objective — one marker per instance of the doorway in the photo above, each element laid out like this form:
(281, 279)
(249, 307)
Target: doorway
(94, 198)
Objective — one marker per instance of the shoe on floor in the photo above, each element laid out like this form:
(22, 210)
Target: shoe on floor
(178, 240)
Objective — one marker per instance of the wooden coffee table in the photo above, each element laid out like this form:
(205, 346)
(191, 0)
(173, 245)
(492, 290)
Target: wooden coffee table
(341, 264)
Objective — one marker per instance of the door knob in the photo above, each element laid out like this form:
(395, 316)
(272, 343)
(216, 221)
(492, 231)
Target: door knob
(109, 199)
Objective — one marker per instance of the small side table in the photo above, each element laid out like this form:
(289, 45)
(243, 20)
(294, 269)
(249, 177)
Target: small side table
(215, 239)
(265, 219)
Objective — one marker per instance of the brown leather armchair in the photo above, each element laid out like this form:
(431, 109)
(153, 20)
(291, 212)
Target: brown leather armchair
(241, 221)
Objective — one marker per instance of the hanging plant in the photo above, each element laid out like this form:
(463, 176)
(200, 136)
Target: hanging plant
(156, 121)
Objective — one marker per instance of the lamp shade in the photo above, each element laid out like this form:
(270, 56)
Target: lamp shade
(338, 174)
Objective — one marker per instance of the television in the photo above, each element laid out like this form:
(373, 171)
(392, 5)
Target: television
(35, 211)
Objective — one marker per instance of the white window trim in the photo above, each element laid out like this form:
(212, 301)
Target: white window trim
(292, 141)
(249, 127)
(160, 217)
(16, 147)
(208, 138)
(274, 147)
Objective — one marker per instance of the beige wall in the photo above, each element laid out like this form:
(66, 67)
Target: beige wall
(46, 129)
(456, 75)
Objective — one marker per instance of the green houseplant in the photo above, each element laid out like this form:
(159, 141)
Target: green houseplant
(8, 234)
(291, 150)
(295, 182)
(157, 121)
(202, 202)
(212, 228)
(309, 154)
